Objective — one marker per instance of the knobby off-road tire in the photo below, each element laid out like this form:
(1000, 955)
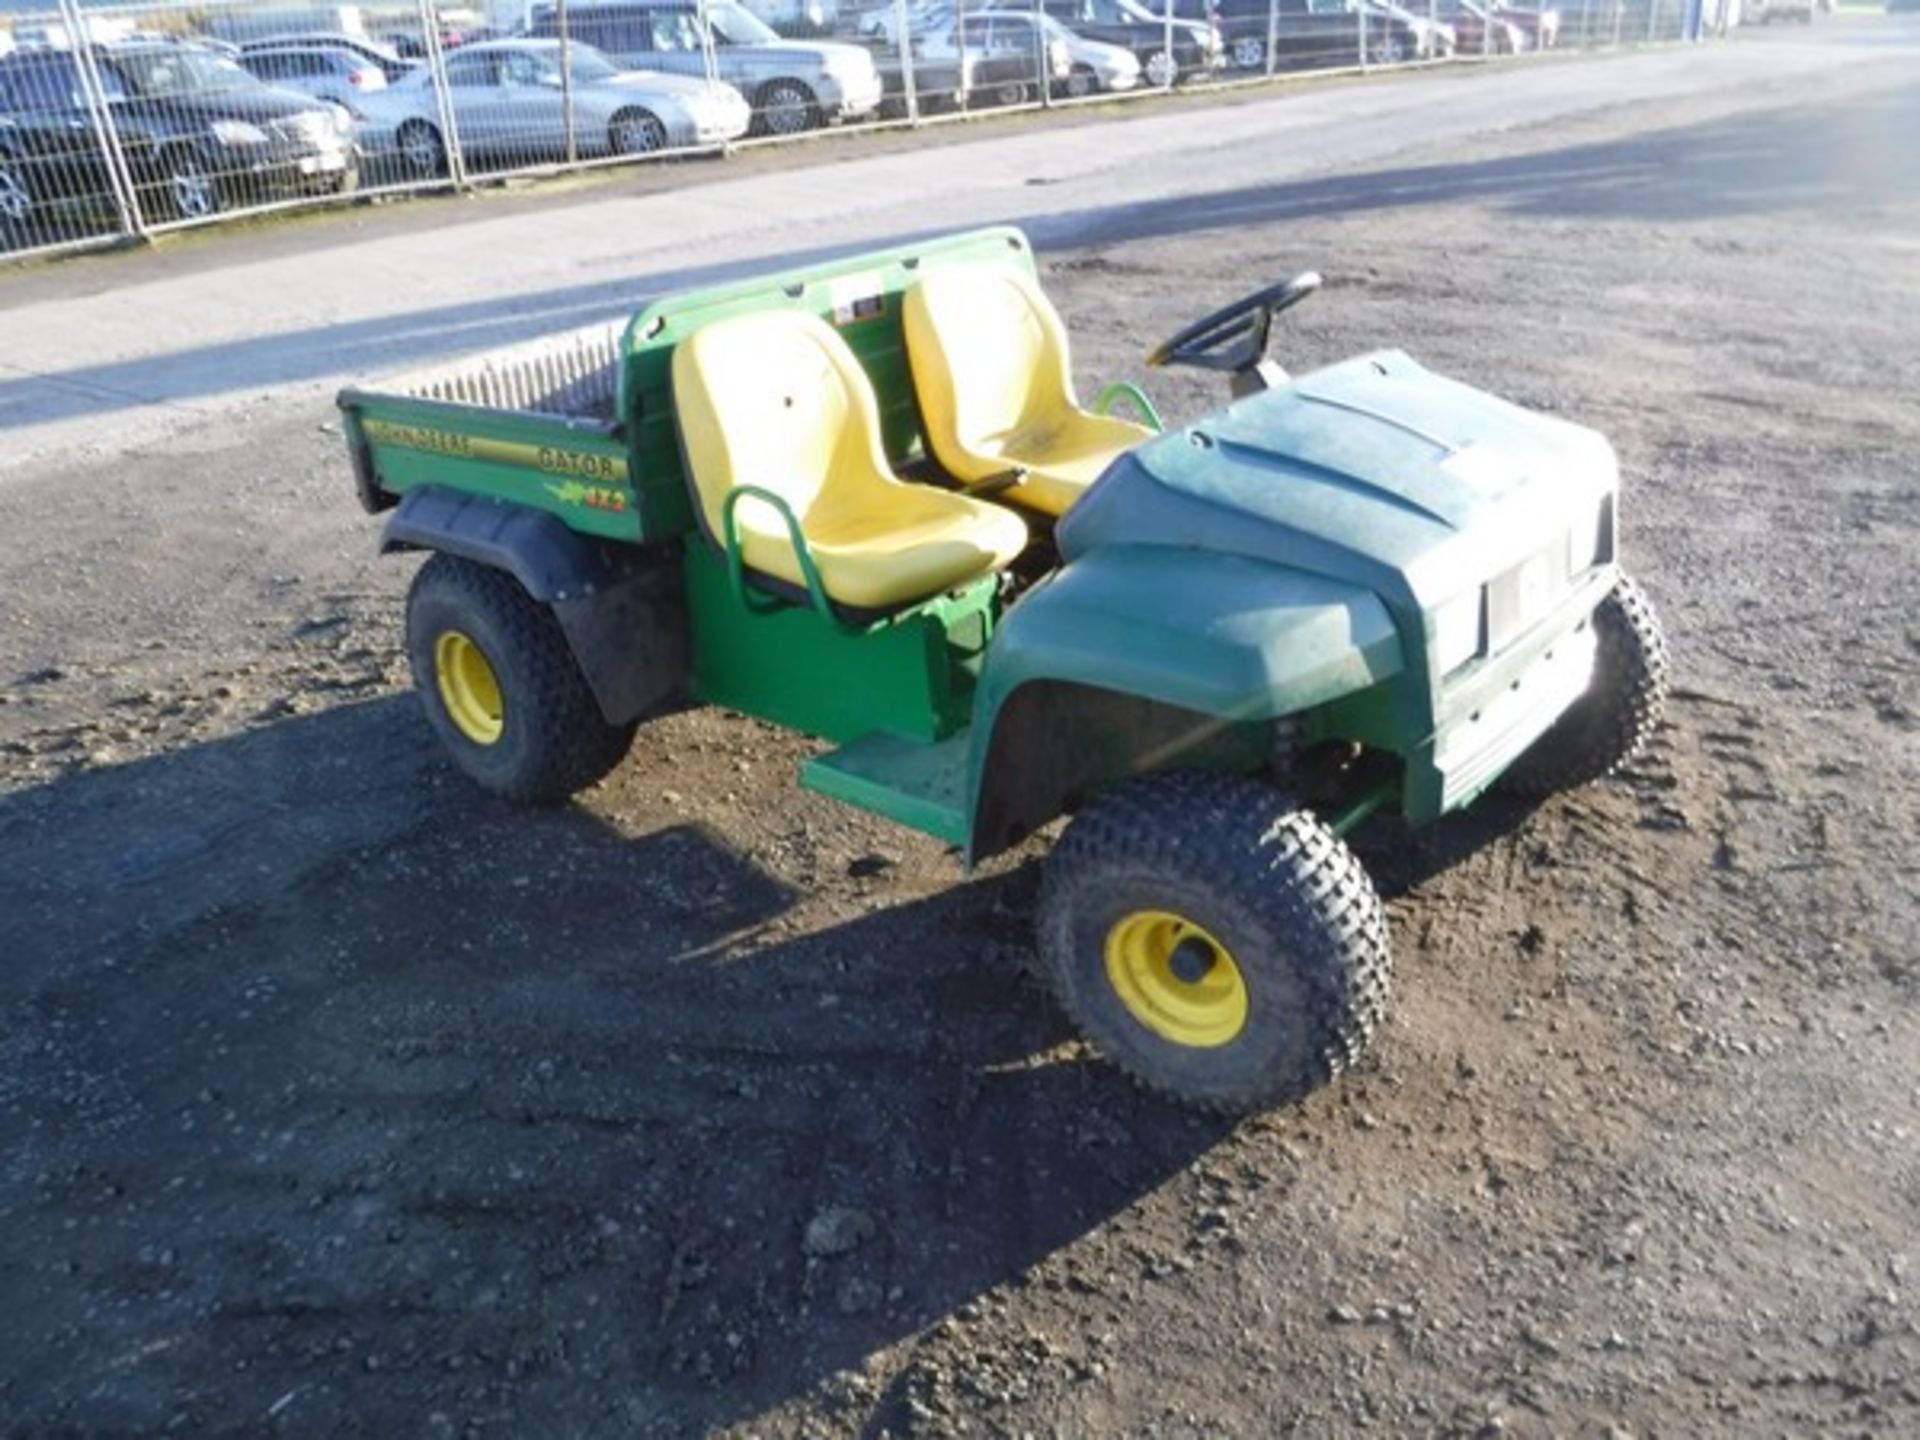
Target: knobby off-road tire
(548, 737)
(1609, 725)
(1237, 877)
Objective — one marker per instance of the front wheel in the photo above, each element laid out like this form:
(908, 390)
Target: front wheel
(1249, 53)
(192, 186)
(1217, 944)
(1080, 83)
(1612, 722)
(500, 685)
(1160, 69)
(636, 132)
(786, 107)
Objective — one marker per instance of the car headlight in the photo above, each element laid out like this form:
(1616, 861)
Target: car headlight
(238, 132)
(1459, 630)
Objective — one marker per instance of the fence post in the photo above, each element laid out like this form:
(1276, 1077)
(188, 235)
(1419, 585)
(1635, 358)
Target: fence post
(1043, 58)
(1360, 15)
(903, 45)
(1653, 14)
(126, 196)
(1586, 28)
(443, 102)
(1166, 40)
(1273, 34)
(566, 81)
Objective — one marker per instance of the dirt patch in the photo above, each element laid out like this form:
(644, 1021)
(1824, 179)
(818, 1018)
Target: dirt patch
(339, 1099)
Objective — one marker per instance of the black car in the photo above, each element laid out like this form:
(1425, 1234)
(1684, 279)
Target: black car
(1319, 34)
(1140, 26)
(198, 132)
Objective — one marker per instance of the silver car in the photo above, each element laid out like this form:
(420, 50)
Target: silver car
(341, 77)
(509, 103)
(794, 85)
(1091, 66)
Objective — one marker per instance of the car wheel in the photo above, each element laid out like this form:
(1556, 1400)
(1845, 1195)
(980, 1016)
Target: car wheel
(422, 150)
(192, 187)
(1214, 942)
(635, 132)
(16, 203)
(786, 107)
(1160, 69)
(1082, 82)
(1386, 49)
(1249, 53)
(1011, 93)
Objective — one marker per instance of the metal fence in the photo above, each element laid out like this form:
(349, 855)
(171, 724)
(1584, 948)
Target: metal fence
(123, 120)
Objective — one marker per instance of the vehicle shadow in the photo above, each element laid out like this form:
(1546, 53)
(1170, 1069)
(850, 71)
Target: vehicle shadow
(421, 1105)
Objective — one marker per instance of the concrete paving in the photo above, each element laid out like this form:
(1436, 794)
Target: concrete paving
(108, 354)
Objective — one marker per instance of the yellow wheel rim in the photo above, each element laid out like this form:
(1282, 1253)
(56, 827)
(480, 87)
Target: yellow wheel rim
(1176, 979)
(469, 689)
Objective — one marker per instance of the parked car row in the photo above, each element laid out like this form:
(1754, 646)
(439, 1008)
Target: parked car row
(197, 124)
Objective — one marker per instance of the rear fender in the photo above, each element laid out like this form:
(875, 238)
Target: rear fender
(621, 607)
(1138, 658)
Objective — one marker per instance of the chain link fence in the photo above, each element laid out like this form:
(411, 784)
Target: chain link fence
(124, 120)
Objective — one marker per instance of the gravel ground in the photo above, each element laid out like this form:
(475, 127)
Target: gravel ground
(340, 1099)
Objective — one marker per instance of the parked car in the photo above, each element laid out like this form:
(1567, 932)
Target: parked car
(1302, 32)
(1091, 66)
(1765, 12)
(199, 133)
(1136, 27)
(509, 103)
(1395, 34)
(339, 76)
(1541, 24)
(1478, 31)
(956, 66)
(793, 85)
(392, 63)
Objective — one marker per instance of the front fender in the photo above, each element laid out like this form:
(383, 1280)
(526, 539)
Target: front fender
(1207, 641)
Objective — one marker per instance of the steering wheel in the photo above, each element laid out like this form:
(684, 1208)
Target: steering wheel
(1234, 338)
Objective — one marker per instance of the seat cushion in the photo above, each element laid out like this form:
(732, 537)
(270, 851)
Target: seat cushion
(775, 400)
(992, 374)
(915, 545)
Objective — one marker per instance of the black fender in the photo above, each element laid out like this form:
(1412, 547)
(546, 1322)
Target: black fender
(621, 607)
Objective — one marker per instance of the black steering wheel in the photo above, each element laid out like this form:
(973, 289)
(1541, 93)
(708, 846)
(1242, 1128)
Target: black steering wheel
(1234, 338)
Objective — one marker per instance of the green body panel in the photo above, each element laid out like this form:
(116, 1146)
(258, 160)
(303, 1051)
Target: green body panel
(570, 468)
(919, 785)
(859, 296)
(911, 675)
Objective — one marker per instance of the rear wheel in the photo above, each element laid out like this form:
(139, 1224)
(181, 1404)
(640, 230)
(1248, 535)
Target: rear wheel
(1609, 725)
(1160, 69)
(636, 132)
(422, 150)
(1215, 943)
(500, 686)
(1249, 53)
(1081, 82)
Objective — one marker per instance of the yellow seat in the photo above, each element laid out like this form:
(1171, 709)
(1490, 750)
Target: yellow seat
(776, 400)
(991, 370)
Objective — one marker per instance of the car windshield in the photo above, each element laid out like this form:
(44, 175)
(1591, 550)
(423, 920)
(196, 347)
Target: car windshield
(178, 72)
(587, 65)
(734, 26)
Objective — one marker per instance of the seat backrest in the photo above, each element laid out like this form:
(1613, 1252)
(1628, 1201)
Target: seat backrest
(989, 356)
(775, 399)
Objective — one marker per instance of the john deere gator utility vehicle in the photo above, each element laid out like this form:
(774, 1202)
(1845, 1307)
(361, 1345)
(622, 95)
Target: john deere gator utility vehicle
(861, 499)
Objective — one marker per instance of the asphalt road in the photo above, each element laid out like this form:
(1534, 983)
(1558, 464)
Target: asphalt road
(338, 1099)
(122, 349)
